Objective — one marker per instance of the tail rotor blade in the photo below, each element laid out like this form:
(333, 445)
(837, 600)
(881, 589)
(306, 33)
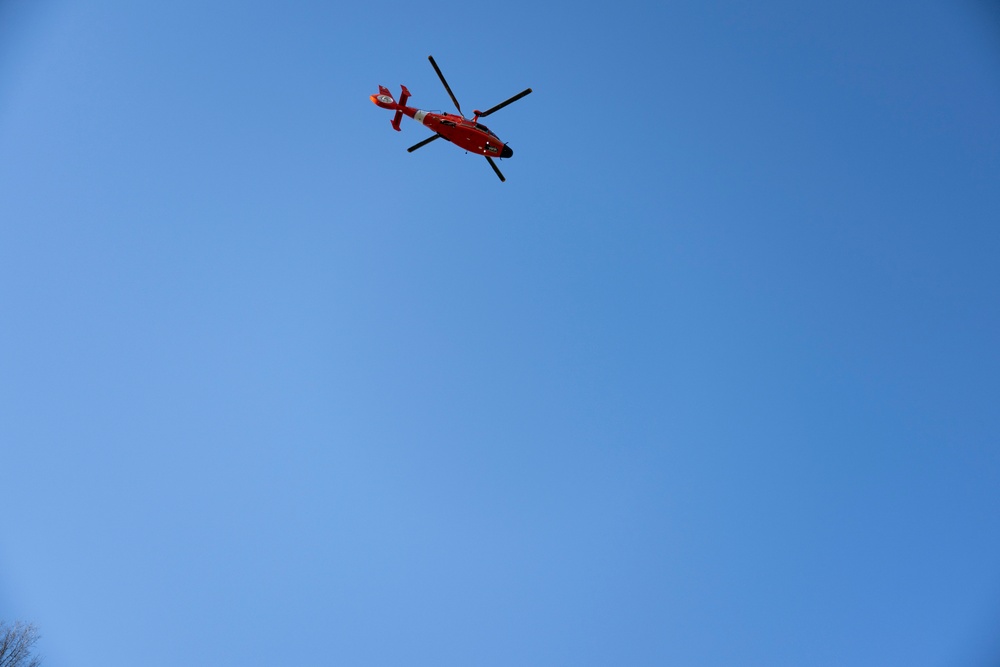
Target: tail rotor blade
(446, 86)
(505, 103)
(423, 143)
(495, 168)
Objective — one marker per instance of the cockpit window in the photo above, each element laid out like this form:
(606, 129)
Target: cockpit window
(480, 126)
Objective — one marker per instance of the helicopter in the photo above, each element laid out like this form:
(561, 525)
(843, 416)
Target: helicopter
(470, 135)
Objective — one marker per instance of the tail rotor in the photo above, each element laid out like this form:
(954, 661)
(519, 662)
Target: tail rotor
(385, 101)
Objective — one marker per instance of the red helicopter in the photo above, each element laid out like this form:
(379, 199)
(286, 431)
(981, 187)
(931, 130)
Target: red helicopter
(468, 134)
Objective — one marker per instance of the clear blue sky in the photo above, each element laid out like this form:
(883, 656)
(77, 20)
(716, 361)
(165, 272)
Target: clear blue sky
(713, 379)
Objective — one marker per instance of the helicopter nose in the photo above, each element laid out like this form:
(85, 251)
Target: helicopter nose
(506, 152)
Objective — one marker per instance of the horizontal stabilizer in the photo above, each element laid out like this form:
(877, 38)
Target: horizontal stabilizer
(403, 96)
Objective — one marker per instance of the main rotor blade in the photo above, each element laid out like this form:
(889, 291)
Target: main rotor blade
(423, 143)
(495, 168)
(503, 104)
(446, 86)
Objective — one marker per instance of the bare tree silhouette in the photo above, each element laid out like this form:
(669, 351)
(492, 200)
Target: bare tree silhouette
(16, 642)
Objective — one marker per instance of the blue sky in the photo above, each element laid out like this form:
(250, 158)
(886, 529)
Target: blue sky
(712, 379)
